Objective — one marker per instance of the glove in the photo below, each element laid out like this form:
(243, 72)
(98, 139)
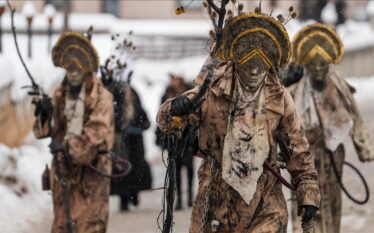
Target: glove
(180, 106)
(294, 75)
(55, 147)
(309, 212)
(43, 108)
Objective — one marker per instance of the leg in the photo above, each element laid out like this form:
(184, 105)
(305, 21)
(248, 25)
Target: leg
(124, 203)
(135, 199)
(190, 170)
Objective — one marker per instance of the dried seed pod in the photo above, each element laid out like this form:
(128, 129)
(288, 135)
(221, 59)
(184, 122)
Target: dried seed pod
(212, 34)
(205, 5)
(280, 18)
(291, 9)
(117, 35)
(257, 10)
(294, 15)
(240, 8)
(214, 14)
(230, 13)
(112, 37)
(179, 10)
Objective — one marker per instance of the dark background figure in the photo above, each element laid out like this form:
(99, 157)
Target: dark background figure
(130, 122)
(176, 87)
(311, 9)
(340, 6)
(132, 144)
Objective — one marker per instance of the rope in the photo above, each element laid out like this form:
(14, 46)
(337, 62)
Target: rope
(116, 160)
(339, 178)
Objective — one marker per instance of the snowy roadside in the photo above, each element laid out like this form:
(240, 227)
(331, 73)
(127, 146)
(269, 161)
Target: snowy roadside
(24, 206)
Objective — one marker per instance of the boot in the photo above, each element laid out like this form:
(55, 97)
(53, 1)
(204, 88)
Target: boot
(135, 199)
(178, 205)
(124, 204)
(190, 198)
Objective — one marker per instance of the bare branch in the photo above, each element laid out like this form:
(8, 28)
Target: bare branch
(12, 11)
(214, 6)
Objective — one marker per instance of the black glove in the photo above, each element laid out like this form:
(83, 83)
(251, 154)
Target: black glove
(294, 74)
(43, 108)
(309, 212)
(55, 147)
(180, 106)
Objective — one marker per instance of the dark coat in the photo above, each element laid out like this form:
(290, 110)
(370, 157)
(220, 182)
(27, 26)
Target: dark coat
(131, 147)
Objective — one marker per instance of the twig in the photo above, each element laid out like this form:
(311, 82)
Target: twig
(12, 11)
(89, 33)
(214, 6)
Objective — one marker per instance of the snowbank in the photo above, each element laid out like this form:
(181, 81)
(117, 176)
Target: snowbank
(23, 204)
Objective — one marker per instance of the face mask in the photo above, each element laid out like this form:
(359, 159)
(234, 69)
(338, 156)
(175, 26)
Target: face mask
(75, 81)
(250, 78)
(75, 77)
(318, 70)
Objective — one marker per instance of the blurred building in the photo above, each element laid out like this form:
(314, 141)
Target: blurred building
(165, 9)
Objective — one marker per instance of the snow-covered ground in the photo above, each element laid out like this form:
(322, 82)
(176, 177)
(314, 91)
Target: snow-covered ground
(24, 206)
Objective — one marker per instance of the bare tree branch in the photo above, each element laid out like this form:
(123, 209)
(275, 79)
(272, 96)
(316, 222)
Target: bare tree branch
(12, 11)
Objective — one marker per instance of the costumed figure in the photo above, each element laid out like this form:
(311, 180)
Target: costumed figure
(79, 120)
(244, 115)
(329, 114)
(130, 122)
(177, 87)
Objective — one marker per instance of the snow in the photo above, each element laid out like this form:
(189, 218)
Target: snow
(29, 9)
(6, 68)
(328, 14)
(356, 35)
(49, 10)
(370, 8)
(364, 87)
(23, 205)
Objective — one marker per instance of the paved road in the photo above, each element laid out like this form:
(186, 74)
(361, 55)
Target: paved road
(356, 219)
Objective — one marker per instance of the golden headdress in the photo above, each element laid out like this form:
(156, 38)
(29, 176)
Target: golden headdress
(74, 50)
(317, 40)
(252, 35)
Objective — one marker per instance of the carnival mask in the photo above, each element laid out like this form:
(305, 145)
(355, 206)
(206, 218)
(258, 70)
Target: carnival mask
(252, 73)
(317, 68)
